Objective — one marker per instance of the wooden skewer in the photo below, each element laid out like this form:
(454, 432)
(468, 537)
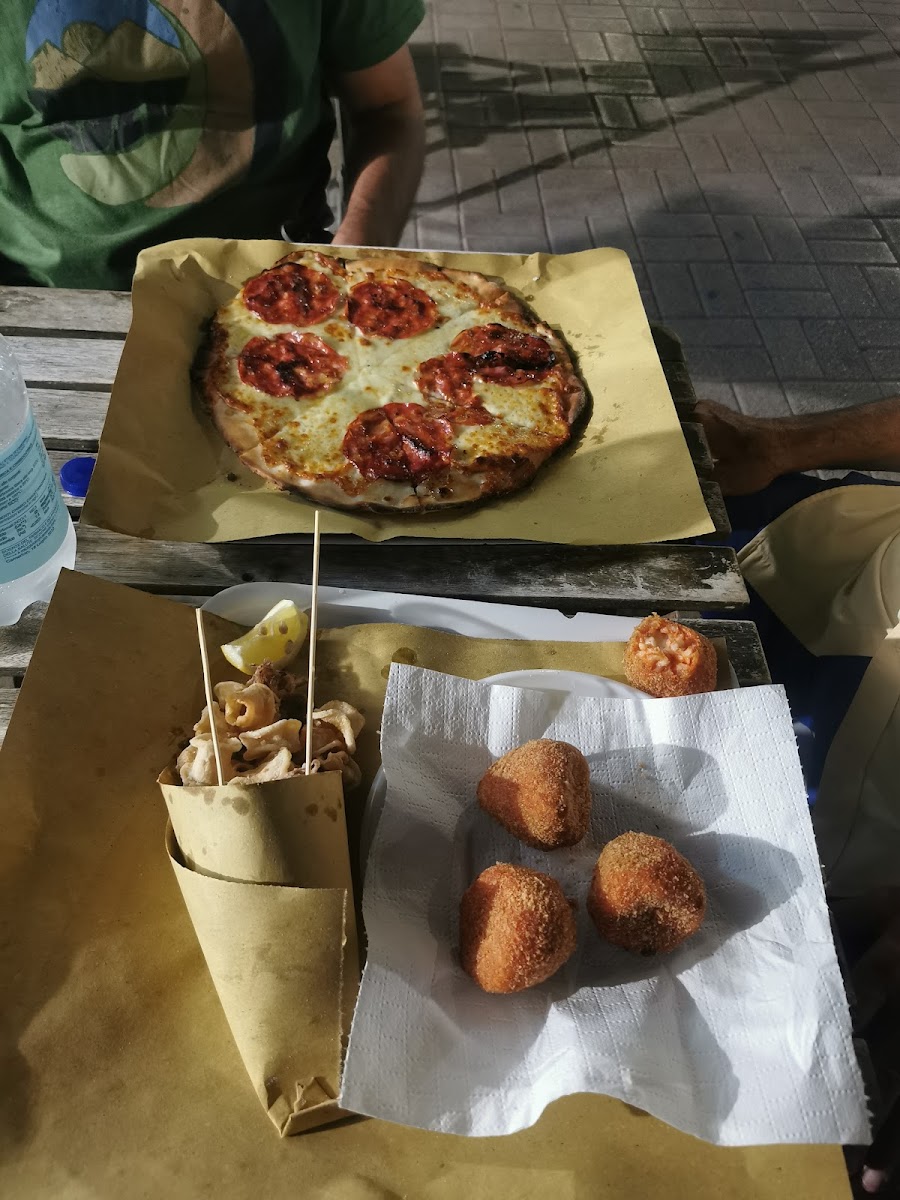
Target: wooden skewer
(210, 701)
(313, 626)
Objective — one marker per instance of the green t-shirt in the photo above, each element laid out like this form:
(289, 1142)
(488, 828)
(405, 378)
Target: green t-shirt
(128, 122)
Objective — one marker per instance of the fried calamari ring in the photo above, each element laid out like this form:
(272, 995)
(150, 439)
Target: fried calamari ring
(664, 658)
(261, 743)
(644, 896)
(541, 793)
(251, 707)
(516, 928)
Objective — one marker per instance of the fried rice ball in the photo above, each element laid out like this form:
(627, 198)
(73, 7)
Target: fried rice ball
(664, 658)
(644, 896)
(516, 928)
(541, 793)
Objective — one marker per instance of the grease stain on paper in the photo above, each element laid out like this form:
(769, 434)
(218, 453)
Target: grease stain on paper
(403, 654)
(238, 803)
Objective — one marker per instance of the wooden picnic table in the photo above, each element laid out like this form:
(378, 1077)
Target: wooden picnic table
(68, 344)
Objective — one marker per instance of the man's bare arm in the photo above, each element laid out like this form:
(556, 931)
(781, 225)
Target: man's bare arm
(752, 451)
(387, 150)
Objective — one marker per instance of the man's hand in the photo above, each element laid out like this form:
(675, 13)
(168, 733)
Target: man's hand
(745, 448)
(387, 150)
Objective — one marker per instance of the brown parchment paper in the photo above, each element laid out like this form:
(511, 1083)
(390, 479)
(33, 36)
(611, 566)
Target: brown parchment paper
(120, 1076)
(164, 472)
(265, 874)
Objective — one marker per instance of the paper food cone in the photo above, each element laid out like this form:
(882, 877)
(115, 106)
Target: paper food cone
(264, 870)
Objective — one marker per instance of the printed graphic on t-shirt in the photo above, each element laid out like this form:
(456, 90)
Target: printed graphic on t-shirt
(154, 99)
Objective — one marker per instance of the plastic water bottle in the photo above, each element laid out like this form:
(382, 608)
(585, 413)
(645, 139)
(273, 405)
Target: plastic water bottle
(37, 537)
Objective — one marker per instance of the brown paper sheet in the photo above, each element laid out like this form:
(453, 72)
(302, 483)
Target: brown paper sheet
(120, 1075)
(164, 472)
(265, 875)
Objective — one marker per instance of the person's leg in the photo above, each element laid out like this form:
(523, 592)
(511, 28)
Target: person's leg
(751, 452)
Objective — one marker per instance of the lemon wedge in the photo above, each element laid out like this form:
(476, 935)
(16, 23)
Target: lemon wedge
(276, 639)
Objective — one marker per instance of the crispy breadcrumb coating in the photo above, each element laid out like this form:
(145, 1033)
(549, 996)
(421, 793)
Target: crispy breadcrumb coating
(644, 896)
(664, 658)
(541, 793)
(516, 928)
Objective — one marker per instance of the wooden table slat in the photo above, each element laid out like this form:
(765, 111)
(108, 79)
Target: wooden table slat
(715, 504)
(698, 447)
(7, 704)
(591, 578)
(680, 384)
(635, 579)
(69, 420)
(53, 309)
(17, 641)
(62, 361)
(667, 343)
(745, 651)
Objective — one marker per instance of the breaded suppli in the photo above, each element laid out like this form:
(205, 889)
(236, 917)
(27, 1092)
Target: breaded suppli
(664, 658)
(541, 793)
(644, 896)
(516, 928)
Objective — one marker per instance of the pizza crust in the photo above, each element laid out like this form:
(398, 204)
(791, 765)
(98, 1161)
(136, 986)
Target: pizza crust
(457, 485)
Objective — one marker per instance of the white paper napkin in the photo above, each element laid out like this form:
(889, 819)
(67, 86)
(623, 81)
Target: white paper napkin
(741, 1036)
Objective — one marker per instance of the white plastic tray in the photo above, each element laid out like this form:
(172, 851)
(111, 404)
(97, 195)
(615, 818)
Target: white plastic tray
(247, 603)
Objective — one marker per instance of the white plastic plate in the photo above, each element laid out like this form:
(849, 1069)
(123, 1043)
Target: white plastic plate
(247, 603)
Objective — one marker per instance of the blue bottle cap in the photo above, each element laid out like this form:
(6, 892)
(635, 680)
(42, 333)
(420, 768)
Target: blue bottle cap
(75, 475)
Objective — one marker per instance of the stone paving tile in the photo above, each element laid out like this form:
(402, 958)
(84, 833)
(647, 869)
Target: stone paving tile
(760, 399)
(850, 252)
(875, 334)
(744, 241)
(792, 355)
(720, 292)
(719, 332)
(793, 303)
(744, 153)
(821, 395)
(673, 287)
(837, 350)
(779, 276)
(784, 239)
(854, 293)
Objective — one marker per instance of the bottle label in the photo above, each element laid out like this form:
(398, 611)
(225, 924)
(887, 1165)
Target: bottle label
(33, 518)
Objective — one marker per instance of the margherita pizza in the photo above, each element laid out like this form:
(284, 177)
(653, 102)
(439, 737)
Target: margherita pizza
(387, 383)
